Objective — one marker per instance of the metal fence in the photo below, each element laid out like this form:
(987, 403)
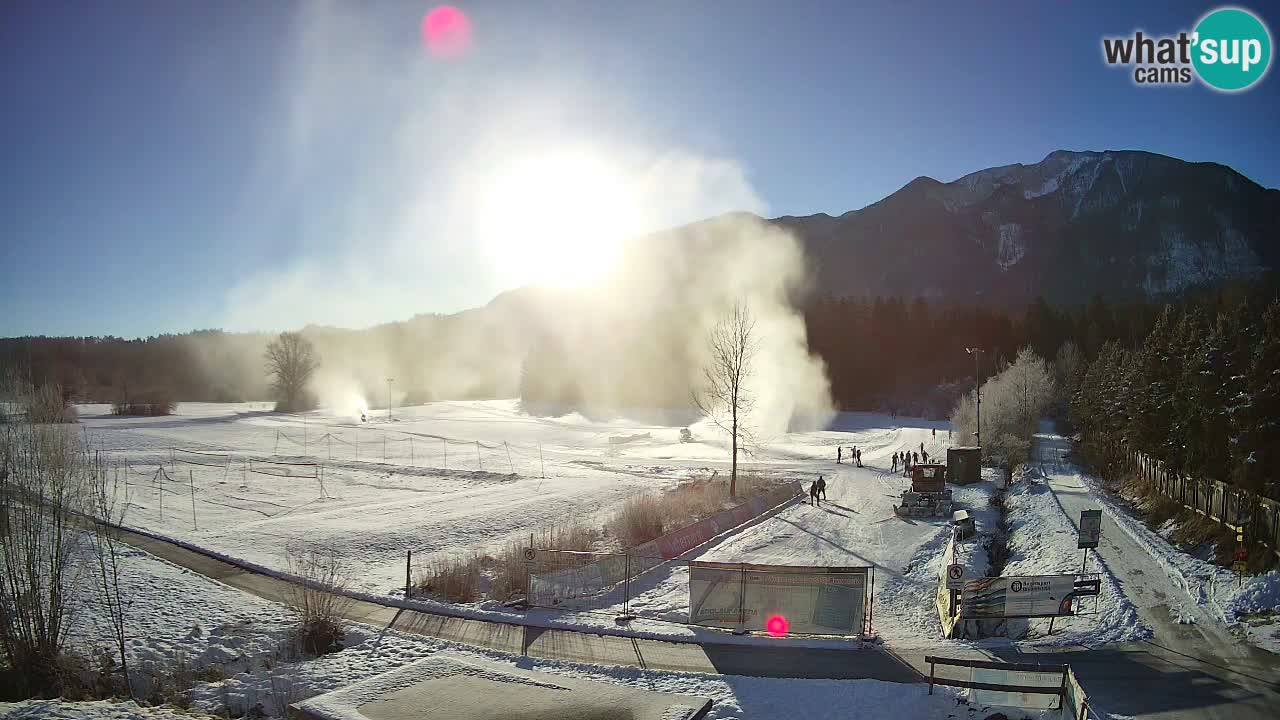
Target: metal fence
(734, 596)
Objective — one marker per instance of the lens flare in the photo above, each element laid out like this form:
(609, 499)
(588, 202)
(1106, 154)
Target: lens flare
(446, 31)
(776, 625)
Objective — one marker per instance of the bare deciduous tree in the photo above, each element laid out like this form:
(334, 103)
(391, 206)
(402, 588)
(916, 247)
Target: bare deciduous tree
(106, 557)
(41, 490)
(291, 360)
(723, 395)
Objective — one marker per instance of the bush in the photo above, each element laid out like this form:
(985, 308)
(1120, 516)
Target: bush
(152, 404)
(45, 480)
(639, 521)
(21, 399)
(319, 600)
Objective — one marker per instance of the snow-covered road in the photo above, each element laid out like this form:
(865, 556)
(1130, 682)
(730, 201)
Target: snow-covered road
(1192, 667)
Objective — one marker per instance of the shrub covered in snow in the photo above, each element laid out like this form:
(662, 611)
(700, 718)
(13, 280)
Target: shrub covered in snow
(1012, 402)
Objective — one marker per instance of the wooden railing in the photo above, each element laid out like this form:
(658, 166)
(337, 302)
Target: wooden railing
(1226, 504)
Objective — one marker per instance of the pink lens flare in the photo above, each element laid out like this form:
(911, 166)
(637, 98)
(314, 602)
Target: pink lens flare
(776, 625)
(446, 31)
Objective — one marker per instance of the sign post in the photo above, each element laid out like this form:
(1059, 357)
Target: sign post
(1240, 559)
(955, 583)
(1090, 534)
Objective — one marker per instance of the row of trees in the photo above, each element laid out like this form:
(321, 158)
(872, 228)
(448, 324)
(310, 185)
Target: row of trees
(1200, 392)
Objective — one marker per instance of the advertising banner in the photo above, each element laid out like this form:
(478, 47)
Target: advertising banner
(1004, 597)
(778, 599)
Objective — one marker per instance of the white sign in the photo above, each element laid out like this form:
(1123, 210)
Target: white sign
(1090, 528)
(778, 599)
(955, 576)
(1033, 596)
(1005, 698)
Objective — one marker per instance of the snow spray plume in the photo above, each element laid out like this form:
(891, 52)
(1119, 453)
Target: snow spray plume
(645, 341)
(365, 247)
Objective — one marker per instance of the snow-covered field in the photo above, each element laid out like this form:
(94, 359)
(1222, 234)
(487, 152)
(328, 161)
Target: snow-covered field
(490, 488)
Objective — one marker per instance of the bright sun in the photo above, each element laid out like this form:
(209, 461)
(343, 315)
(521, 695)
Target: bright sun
(558, 218)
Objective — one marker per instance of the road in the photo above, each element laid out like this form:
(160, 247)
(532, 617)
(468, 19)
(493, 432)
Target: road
(1186, 670)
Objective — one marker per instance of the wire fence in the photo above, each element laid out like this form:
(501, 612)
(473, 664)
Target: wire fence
(149, 473)
(429, 451)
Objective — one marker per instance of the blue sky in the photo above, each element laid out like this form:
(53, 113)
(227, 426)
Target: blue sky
(179, 165)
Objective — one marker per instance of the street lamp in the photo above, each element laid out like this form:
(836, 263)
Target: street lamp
(389, 381)
(977, 390)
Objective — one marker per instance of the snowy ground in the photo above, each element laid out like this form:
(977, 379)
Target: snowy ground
(243, 635)
(1043, 541)
(421, 499)
(1248, 606)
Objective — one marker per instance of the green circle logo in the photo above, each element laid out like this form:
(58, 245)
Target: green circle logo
(1232, 49)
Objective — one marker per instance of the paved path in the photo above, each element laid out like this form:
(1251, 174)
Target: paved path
(570, 645)
(1186, 670)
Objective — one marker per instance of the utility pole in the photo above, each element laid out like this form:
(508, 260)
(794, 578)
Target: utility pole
(977, 390)
(389, 381)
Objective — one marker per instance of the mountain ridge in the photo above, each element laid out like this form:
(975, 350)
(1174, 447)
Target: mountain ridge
(1123, 224)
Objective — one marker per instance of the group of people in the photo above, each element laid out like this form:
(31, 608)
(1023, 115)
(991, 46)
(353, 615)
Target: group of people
(854, 453)
(909, 459)
(818, 491)
(903, 459)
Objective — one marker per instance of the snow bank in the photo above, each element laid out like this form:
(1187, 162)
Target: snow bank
(1042, 541)
(1208, 585)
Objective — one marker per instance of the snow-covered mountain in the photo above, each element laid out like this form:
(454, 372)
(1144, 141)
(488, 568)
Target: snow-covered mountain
(1123, 224)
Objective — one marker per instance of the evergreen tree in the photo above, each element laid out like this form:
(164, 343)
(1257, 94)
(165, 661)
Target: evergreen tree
(1257, 421)
(1154, 383)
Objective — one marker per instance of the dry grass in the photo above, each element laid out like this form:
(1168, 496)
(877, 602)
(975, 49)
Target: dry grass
(646, 517)
(639, 520)
(319, 600)
(454, 577)
(460, 577)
